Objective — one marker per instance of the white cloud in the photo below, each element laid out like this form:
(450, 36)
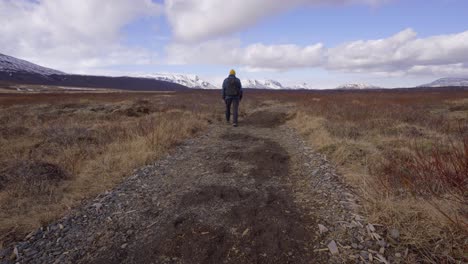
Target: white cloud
(447, 70)
(85, 36)
(282, 56)
(401, 54)
(70, 35)
(196, 20)
(254, 56)
(222, 51)
(361, 54)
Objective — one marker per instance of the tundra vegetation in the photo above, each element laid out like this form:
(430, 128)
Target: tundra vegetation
(60, 148)
(404, 153)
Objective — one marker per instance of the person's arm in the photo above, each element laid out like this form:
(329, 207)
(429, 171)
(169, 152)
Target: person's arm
(224, 90)
(241, 91)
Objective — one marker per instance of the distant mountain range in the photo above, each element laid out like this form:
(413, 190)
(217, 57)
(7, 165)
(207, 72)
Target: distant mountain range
(191, 81)
(194, 81)
(13, 70)
(305, 86)
(19, 71)
(448, 82)
(262, 84)
(273, 85)
(13, 65)
(357, 86)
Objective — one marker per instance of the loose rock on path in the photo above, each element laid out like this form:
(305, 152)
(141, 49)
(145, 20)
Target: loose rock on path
(251, 194)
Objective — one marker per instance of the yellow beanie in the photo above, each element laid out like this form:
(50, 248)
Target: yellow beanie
(232, 72)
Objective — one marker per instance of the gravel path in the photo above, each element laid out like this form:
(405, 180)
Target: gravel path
(251, 194)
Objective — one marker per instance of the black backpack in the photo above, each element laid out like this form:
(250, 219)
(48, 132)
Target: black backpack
(232, 88)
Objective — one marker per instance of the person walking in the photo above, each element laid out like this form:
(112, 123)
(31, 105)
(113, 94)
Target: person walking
(232, 95)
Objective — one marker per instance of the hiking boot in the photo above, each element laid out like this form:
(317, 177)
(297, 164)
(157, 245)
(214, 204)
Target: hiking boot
(234, 125)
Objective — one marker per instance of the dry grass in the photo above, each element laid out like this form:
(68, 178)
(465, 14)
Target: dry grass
(407, 155)
(58, 149)
(404, 152)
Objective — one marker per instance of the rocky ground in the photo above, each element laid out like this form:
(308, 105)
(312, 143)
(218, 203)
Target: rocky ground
(251, 194)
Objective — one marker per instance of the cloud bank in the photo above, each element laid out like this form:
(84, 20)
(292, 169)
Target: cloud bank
(198, 20)
(86, 36)
(85, 32)
(401, 53)
(258, 55)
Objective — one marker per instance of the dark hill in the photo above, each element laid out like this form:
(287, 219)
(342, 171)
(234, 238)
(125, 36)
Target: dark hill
(17, 71)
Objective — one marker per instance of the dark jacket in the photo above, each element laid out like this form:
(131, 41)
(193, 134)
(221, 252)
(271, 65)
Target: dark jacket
(225, 85)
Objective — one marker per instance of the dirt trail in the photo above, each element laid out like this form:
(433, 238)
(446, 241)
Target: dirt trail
(252, 194)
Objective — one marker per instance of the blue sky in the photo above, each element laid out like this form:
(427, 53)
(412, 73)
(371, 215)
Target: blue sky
(383, 42)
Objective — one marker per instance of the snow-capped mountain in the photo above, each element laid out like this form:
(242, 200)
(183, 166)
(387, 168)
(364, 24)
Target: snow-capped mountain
(300, 86)
(446, 82)
(191, 81)
(262, 84)
(356, 86)
(13, 65)
(21, 73)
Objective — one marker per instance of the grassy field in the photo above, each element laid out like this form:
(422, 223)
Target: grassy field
(405, 153)
(58, 149)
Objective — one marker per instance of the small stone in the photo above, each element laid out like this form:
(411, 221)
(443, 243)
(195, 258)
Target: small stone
(364, 255)
(368, 244)
(398, 255)
(61, 226)
(356, 224)
(322, 229)
(381, 243)
(246, 231)
(382, 259)
(354, 245)
(59, 259)
(394, 233)
(31, 253)
(30, 235)
(15, 254)
(382, 250)
(333, 247)
(124, 246)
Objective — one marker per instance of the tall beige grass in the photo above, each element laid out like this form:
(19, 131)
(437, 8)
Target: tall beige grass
(57, 152)
(406, 154)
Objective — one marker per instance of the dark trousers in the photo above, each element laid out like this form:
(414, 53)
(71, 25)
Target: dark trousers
(235, 108)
